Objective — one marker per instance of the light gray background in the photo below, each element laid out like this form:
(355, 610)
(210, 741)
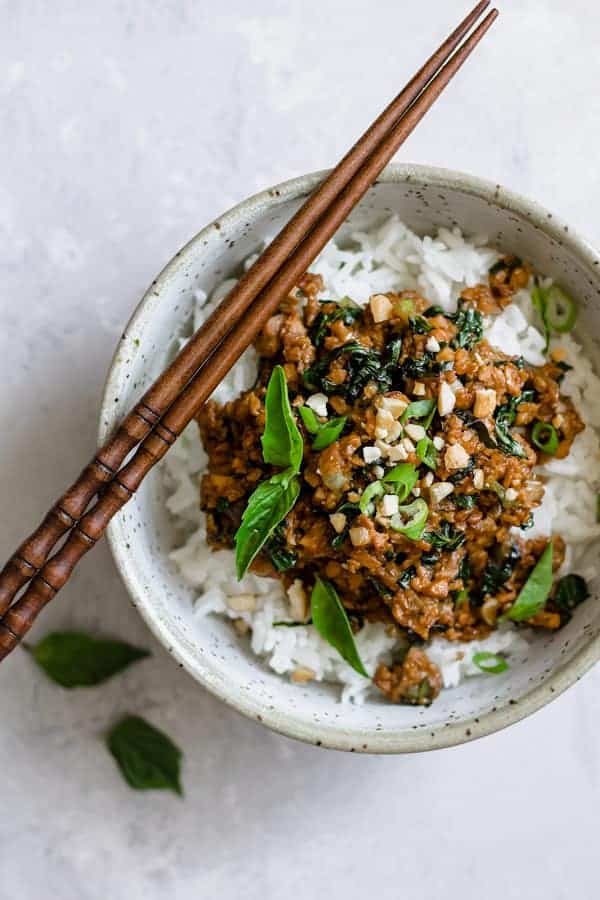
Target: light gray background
(125, 126)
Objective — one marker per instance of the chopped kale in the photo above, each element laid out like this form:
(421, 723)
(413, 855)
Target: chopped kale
(430, 558)
(423, 366)
(278, 552)
(497, 574)
(324, 320)
(571, 590)
(405, 578)
(505, 417)
(419, 325)
(363, 365)
(381, 589)
(446, 538)
(464, 501)
(432, 311)
(469, 326)
(478, 426)
(461, 474)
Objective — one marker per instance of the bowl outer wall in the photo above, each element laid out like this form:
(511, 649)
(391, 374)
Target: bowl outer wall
(319, 733)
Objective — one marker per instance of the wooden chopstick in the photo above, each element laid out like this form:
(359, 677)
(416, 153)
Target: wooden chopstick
(159, 437)
(31, 555)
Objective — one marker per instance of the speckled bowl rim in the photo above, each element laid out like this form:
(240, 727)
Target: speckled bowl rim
(321, 734)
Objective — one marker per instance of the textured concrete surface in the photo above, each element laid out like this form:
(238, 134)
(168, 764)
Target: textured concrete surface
(126, 125)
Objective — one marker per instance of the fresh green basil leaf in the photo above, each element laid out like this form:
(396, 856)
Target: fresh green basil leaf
(268, 505)
(73, 659)
(535, 591)
(331, 621)
(403, 478)
(281, 442)
(329, 432)
(469, 326)
(147, 757)
(417, 410)
(309, 419)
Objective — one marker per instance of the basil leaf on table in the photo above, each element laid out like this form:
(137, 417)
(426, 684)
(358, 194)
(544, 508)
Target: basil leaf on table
(74, 659)
(535, 591)
(147, 757)
(270, 502)
(282, 442)
(331, 621)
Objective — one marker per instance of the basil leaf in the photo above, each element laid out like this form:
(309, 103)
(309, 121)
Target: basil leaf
(147, 757)
(535, 591)
(496, 574)
(268, 505)
(278, 552)
(446, 538)
(73, 659)
(417, 410)
(331, 621)
(325, 433)
(419, 325)
(281, 442)
(570, 592)
(469, 325)
(329, 432)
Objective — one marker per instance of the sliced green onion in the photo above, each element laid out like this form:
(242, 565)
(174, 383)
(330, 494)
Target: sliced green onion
(545, 438)
(427, 453)
(411, 519)
(373, 490)
(490, 663)
(561, 311)
(403, 477)
(538, 298)
(417, 410)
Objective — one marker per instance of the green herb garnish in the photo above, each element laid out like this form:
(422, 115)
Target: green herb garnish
(497, 574)
(325, 432)
(278, 552)
(282, 443)
(419, 409)
(419, 325)
(73, 659)
(535, 591)
(331, 621)
(490, 663)
(505, 418)
(147, 757)
(272, 500)
(469, 325)
(268, 505)
(363, 365)
(464, 501)
(446, 538)
(324, 320)
(561, 311)
(571, 590)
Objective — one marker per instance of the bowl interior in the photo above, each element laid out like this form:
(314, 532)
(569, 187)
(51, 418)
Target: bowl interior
(143, 534)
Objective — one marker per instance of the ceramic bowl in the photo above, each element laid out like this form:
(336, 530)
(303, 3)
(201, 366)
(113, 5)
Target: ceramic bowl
(142, 535)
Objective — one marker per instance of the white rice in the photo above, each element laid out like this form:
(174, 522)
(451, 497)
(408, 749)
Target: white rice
(390, 257)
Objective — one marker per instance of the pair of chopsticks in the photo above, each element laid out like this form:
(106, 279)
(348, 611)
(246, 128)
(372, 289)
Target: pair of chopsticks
(175, 398)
